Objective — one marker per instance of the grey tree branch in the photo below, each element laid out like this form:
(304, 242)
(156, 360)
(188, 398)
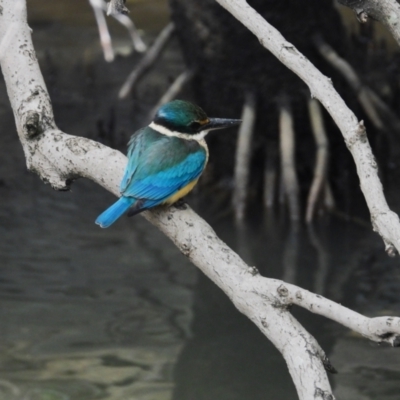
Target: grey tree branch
(243, 156)
(287, 142)
(148, 60)
(58, 158)
(270, 175)
(175, 88)
(384, 221)
(321, 164)
(348, 72)
(104, 33)
(385, 11)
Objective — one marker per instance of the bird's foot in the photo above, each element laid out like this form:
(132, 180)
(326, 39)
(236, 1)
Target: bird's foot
(180, 204)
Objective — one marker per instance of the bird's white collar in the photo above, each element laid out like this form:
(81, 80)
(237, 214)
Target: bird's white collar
(165, 131)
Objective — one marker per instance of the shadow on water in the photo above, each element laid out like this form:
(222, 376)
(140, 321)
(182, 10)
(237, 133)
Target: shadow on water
(119, 314)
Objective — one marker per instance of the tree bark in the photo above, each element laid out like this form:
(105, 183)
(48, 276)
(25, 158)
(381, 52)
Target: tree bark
(385, 11)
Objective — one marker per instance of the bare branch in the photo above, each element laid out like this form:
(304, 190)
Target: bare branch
(288, 164)
(123, 19)
(243, 156)
(385, 11)
(270, 175)
(384, 221)
(378, 329)
(348, 72)
(105, 38)
(320, 171)
(137, 41)
(148, 59)
(173, 90)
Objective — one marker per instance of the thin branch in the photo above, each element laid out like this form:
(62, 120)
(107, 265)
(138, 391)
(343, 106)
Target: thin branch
(148, 60)
(243, 156)
(348, 72)
(137, 41)
(288, 164)
(384, 221)
(320, 170)
(119, 12)
(105, 38)
(378, 329)
(124, 20)
(385, 11)
(173, 90)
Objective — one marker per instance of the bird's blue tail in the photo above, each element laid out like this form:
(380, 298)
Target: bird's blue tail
(112, 213)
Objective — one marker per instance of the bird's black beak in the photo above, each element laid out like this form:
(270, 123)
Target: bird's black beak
(221, 123)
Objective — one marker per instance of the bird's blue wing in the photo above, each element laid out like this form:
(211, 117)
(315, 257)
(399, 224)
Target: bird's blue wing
(159, 168)
(134, 147)
(165, 183)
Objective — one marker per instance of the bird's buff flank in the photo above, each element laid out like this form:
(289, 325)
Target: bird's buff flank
(165, 159)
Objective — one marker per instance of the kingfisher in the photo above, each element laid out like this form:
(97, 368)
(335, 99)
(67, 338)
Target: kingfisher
(165, 159)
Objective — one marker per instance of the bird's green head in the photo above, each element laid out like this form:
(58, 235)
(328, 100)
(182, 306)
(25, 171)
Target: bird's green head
(184, 117)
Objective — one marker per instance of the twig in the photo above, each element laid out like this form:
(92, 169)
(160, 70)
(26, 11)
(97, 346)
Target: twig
(288, 164)
(124, 20)
(321, 164)
(148, 60)
(173, 90)
(137, 41)
(385, 11)
(243, 156)
(384, 221)
(105, 38)
(270, 175)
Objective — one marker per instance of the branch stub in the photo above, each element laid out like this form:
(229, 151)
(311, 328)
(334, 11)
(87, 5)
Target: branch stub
(32, 125)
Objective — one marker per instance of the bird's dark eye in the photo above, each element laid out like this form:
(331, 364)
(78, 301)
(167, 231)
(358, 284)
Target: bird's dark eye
(195, 125)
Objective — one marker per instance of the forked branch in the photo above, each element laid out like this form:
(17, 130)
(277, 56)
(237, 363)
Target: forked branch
(385, 11)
